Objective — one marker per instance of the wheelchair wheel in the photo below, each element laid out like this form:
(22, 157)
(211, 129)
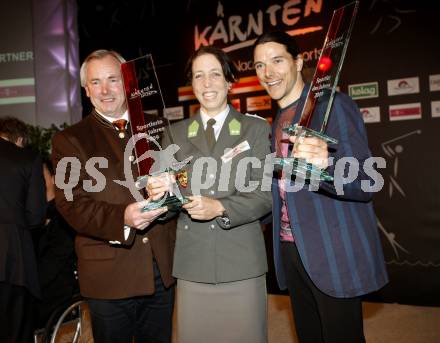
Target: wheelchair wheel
(69, 324)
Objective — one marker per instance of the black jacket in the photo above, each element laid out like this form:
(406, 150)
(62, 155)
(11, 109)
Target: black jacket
(22, 207)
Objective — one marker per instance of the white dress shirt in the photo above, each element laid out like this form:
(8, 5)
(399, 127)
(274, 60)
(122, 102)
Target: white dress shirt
(112, 119)
(219, 120)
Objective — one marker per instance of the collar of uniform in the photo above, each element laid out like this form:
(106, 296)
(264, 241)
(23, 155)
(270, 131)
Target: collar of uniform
(219, 120)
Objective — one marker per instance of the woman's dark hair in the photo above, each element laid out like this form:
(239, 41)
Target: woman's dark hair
(279, 37)
(229, 70)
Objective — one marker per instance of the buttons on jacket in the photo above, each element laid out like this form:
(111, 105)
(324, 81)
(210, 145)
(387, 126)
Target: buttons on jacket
(131, 158)
(211, 227)
(145, 240)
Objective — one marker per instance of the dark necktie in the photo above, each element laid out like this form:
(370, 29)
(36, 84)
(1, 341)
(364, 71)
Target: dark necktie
(209, 132)
(121, 126)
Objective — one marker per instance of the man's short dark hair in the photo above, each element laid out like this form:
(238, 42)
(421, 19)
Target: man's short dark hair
(229, 70)
(279, 37)
(13, 128)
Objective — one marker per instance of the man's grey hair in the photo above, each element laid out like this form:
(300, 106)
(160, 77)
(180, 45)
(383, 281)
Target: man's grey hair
(97, 55)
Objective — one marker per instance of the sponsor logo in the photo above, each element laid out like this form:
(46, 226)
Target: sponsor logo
(173, 113)
(238, 32)
(407, 85)
(236, 104)
(152, 112)
(435, 109)
(193, 109)
(244, 65)
(185, 93)
(405, 111)
(17, 91)
(16, 56)
(144, 92)
(246, 85)
(363, 90)
(258, 103)
(311, 55)
(434, 82)
(371, 114)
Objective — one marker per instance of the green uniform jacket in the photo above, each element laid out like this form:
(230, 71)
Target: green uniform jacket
(208, 251)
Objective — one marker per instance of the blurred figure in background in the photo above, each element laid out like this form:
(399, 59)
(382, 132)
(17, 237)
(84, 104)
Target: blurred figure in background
(22, 208)
(56, 256)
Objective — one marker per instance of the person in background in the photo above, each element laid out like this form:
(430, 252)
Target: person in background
(124, 256)
(327, 250)
(56, 258)
(22, 208)
(220, 258)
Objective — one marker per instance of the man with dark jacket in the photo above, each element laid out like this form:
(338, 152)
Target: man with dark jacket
(22, 208)
(327, 250)
(124, 261)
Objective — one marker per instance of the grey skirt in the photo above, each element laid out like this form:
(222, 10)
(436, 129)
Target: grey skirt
(222, 313)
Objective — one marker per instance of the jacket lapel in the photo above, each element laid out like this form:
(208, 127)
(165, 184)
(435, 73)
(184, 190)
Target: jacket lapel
(196, 135)
(230, 134)
(116, 144)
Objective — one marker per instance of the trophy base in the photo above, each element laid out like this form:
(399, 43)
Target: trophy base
(171, 200)
(301, 131)
(173, 203)
(300, 168)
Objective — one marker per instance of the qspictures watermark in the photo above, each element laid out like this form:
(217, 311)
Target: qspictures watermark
(251, 173)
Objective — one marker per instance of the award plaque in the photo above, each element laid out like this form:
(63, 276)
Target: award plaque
(150, 131)
(322, 90)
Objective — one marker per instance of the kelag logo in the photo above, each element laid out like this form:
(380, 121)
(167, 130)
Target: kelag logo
(364, 90)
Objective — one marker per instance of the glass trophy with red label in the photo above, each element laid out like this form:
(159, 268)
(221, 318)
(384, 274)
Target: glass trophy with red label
(151, 133)
(322, 91)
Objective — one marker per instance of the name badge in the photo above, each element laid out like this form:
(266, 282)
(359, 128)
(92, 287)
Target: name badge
(238, 149)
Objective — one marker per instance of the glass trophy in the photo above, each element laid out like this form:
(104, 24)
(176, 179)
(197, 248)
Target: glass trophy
(322, 91)
(151, 131)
